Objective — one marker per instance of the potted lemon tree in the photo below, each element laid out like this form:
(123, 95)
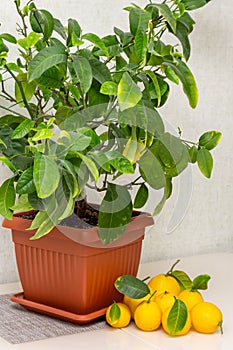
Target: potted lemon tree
(81, 112)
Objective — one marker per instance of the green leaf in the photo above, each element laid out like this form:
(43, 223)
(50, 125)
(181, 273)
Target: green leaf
(25, 182)
(74, 32)
(139, 20)
(101, 159)
(115, 213)
(94, 39)
(46, 175)
(205, 162)
(119, 162)
(7, 161)
(90, 165)
(42, 22)
(74, 140)
(45, 227)
(193, 154)
(167, 14)
(45, 59)
(109, 88)
(171, 150)
(128, 94)
(58, 27)
(187, 79)
(156, 178)
(83, 72)
(8, 37)
(194, 4)
(177, 317)
(183, 279)
(100, 71)
(141, 196)
(28, 88)
(43, 134)
(7, 198)
(182, 35)
(23, 129)
(210, 139)
(22, 204)
(201, 282)
(171, 75)
(154, 79)
(115, 313)
(141, 44)
(132, 287)
(29, 41)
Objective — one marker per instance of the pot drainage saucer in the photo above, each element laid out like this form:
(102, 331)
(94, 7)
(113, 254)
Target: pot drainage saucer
(54, 312)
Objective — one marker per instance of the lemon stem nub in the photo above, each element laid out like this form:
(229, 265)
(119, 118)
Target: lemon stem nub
(221, 327)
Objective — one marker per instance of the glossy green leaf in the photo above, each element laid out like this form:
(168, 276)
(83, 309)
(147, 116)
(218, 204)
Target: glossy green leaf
(183, 279)
(182, 35)
(29, 41)
(90, 165)
(115, 213)
(171, 75)
(7, 198)
(28, 89)
(194, 4)
(101, 159)
(201, 282)
(187, 79)
(155, 82)
(171, 150)
(210, 139)
(8, 37)
(94, 39)
(141, 196)
(83, 72)
(58, 27)
(23, 129)
(45, 59)
(115, 313)
(205, 162)
(22, 204)
(165, 11)
(128, 94)
(7, 162)
(119, 162)
(25, 182)
(100, 71)
(74, 32)
(141, 44)
(132, 286)
(156, 178)
(42, 22)
(177, 317)
(193, 154)
(139, 20)
(74, 140)
(43, 134)
(46, 175)
(109, 88)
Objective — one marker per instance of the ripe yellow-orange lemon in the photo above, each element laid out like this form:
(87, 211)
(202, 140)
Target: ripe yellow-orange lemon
(165, 300)
(164, 283)
(148, 316)
(190, 298)
(206, 317)
(124, 317)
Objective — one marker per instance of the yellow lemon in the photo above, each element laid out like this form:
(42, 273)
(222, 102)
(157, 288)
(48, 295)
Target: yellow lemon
(165, 300)
(133, 303)
(124, 317)
(206, 317)
(164, 283)
(190, 298)
(148, 316)
(185, 329)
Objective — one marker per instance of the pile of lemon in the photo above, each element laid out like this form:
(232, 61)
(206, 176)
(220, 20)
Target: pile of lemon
(172, 300)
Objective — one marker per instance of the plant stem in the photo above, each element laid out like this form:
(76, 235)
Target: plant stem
(21, 91)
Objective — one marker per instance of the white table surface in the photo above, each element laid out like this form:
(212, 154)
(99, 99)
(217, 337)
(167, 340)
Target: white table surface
(218, 266)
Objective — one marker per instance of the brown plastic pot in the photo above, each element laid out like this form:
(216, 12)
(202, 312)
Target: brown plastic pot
(70, 269)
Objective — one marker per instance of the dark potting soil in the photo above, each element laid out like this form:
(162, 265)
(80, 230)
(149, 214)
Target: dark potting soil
(84, 216)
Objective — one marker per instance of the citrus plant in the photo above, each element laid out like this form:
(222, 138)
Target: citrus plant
(89, 113)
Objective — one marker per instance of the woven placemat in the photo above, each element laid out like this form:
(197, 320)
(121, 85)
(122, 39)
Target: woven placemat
(18, 325)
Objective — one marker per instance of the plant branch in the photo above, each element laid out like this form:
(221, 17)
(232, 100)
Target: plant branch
(21, 91)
